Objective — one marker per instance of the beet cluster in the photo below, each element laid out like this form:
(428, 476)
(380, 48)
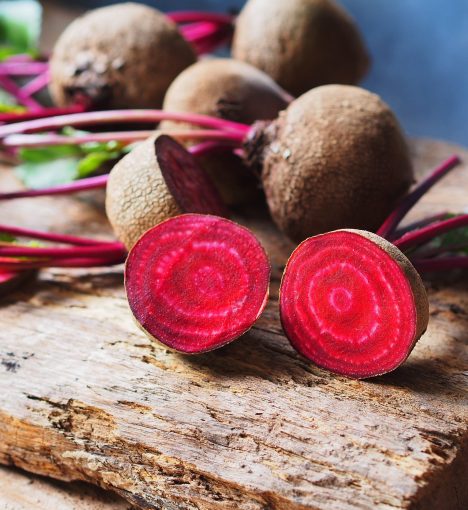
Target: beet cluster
(281, 126)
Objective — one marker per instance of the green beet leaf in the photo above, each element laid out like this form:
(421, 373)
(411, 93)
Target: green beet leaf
(20, 27)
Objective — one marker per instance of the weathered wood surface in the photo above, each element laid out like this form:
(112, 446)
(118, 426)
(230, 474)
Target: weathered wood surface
(23, 491)
(85, 396)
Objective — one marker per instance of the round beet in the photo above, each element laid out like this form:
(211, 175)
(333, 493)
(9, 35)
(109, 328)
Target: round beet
(157, 180)
(121, 56)
(197, 282)
(352, 303)
(336, 158)
(231, 90)
(228, 89)
(300, 43)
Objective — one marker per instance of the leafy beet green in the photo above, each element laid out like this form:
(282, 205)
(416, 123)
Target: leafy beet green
(41, 167)
(20, 26)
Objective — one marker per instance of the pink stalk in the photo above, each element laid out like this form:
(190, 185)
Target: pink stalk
(208, 147)
(442, 264)
(22, 265)
(121, 116)
(392, 222)
(86, 184)
(13, 89)
(419, 224)
(209, 42)
(21, 57)
(425, 234)
(23, 68)
(107, 250)
(36, 84)
(40, 114)
(120, 136)
(100, 181)
(52, 237)
(195, 17)
(441, 250)
(198, 30)
(45, 140)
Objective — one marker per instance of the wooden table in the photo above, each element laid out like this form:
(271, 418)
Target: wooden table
(84, 395)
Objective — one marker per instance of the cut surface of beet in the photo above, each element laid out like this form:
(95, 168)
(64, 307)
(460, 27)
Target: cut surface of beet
(350, 306)
(187, 181)
(196, 282)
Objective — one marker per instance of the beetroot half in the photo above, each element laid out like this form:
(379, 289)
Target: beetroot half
(351, 302)
(188, 183)
(196, 282)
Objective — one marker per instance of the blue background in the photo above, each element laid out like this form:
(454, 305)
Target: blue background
(420, 57)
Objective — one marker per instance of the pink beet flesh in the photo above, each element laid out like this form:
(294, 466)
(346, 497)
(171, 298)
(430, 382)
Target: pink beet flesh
(347, 305)
(196, 282)
(187, 181)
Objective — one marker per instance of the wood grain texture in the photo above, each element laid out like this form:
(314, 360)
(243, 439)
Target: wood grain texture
(85, 396)
(23, 491)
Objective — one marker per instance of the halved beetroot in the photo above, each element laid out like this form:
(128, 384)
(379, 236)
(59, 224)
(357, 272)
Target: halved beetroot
(351, 302)
(188, 183)
(196, 282)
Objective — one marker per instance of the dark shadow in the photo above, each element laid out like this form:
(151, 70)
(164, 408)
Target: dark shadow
(105, 282)
(83, 493)
(425, 376)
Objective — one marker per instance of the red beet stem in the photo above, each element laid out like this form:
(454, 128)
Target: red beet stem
(441, 250)
(181, 17)
(100, 181)
(419, 224)
(125, 137)
(40, 114)
(121, 116)
(391, 223)
(52, 237)
(37, 84)
(22, 98)
(86, 184)
(196, 282)
(108, 250)
(198, 31)
(440, 264)
(20, 57)
(208, 147)
(206, 37)
(23, 265)
(45, 140)
(425, 234)
(210, 41)
(23, 68)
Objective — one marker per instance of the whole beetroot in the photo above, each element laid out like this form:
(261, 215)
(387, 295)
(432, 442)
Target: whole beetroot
(335, 158)
(121, 56)
(300, 43)
(231, 90)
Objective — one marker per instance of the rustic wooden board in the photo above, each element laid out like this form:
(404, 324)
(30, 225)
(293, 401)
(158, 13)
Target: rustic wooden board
(23, 491)
(85, 396)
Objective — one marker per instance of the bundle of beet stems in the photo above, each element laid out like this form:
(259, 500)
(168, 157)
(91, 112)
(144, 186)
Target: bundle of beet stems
(216, 134)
